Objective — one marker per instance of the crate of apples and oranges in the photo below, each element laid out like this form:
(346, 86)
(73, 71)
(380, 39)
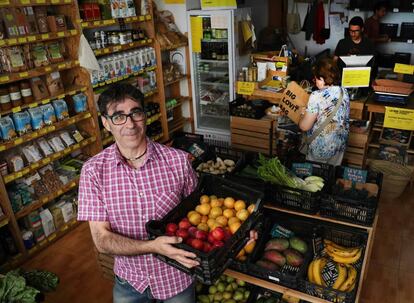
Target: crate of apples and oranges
(214, 223)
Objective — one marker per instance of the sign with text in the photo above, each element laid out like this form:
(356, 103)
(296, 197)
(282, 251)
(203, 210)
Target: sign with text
(404, 69)
(294, 101)
(399, 118)
(355, 175)
(196, 33)
(245, 88)
(218, 4)
(356, 76)
(302, 169)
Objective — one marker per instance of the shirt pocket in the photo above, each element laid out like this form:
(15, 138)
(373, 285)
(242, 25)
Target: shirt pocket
(166, 202)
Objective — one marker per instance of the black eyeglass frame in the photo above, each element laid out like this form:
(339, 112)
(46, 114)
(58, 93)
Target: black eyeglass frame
(130, 115)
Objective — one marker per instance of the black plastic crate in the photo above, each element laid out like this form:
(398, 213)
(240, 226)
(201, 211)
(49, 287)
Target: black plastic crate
(258, 292)
(252, 109)
(344, 236)
(250, 287)
(288, 275)
(407, 30)
(212, 264)
(224, 153)
(299, 199)
(348, 209)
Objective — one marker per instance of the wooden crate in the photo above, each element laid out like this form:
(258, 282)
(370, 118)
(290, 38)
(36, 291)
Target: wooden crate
(253, 135)
(357, 109)
(356, 150)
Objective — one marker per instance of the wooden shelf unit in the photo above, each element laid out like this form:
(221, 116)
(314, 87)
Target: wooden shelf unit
(75, 79)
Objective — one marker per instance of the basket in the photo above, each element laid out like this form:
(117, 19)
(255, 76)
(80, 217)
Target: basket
(396, 177)
(212, 264)
(392, 86)
(348, 209)
(345, 236)
(299, 199)
(288, 275)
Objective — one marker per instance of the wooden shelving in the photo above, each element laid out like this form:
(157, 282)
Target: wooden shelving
(121, 78)
(40, 71)
(38, 38)
(119, 48)
(110, 22)
(5, 3)
(175, 46)
(182, 77)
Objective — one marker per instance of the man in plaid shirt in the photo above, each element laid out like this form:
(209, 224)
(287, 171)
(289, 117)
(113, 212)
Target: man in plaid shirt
(126, 185)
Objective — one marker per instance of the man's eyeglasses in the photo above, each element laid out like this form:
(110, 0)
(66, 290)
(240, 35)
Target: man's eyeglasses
(354, 31)
(136, 115)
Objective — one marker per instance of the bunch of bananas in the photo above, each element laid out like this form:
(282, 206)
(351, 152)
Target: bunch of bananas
(343, 258)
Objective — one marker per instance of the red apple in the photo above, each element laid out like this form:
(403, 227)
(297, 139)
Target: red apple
(218, 233)
(201, 234)
(184, 224)
(227, 235)
(170, 234)
(182, 233)
(189, 240)
(207, 247)
(192, 231)
(210, 238)
(197, 244)
(218, 244)
(171, 228)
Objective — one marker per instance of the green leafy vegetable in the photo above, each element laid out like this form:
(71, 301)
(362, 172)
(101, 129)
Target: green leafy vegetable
(45, 281)
(13, 289)
(271, 170)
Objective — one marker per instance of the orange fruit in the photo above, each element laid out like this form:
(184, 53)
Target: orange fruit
(202, 226)
(229, 202)
(204, 209)
(249, 247)
(211, 223)
(228, 213)
(241, 253)
(242, 214)
(234, 227)
(242, 258)
(204, 199)
(216, 203)
(233, 220)
(204, 219)
(190, 213)
(221, 200)
(195, 219)
(239, 205)
(213, 197)
(222, 220)
(215, 212)
(251, 208)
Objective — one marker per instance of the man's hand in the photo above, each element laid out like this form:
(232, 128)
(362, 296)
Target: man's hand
(253, 236)
(163, 246)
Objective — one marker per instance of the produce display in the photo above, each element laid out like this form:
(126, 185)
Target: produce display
(225, 290)
(217, 167)
(211, 223)
(271, 170)
(366, 192)
(336, 270)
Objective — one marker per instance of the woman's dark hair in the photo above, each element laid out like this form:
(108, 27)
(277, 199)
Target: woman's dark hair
(357, 21)
(117, 93)
(327, 69)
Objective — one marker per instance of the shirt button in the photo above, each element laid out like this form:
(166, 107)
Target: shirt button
(144, 217)
(141, 194)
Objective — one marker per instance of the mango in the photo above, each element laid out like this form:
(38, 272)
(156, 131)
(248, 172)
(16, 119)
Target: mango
(266, 264)
(278, 244)
(298, 244)
(275, 257)
(293, 257)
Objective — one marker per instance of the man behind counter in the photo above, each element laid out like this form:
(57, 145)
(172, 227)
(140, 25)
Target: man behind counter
(372, 24)
(356, 43)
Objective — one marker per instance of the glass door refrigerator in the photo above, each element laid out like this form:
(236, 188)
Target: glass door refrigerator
(215, 59)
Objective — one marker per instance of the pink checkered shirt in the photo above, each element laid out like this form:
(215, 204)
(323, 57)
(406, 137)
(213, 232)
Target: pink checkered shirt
(110, 190)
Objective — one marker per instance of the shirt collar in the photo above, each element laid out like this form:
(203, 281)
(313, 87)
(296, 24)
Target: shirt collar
(118, 158)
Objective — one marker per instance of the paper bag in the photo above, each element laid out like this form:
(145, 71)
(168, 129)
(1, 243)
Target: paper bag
(294, 100)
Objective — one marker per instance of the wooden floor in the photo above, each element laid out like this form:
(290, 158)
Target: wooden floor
(390, 276)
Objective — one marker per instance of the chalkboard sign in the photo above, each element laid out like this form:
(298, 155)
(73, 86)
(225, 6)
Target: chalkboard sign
(302, 169)
(355, 175)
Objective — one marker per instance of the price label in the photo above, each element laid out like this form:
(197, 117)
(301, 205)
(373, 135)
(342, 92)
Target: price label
(22, 40)
(73, 31)
(51, 237)
(4, 2)
(355, 175)
(33, 250)
(9, 178)
(31, 38)
(46, 161)
(61, 96)
(76, 146)
(35, 165)
(45, 200)
(51, 128)
(2, 42)
(40, 1)
(16, 109)
(61, 34)
(149, 40)
(117, 48)
(96, 23)
(73, 184)
(48, 69)
(98, 52)
(24, 75)
(12, 41)
(43, 242)
(65, 227)
(2, 147)
(106, 50)
(128, 20)
(76, 62)
(19, 175)
(25, 171)
(46, 101)
(148, 17)
(43, 131)
(107, 22)
(141, 18)
(245, 88)
(55, 1)
(18, 141)
(4, 79)
(45, 36)
(32, 105)
(67, 1)
(404, 69)
(63, 65)
(59, 192)
(88, 115)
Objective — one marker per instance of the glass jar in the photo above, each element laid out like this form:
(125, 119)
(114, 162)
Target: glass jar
(15, 95)
(26, 92)
(5, 102)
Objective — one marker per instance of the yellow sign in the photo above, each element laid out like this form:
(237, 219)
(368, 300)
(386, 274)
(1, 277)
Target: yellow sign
(196, 33)
(245, 88)
(399, 118)
(174, 1)
(356, 76)
(404, 69)
(218, 4)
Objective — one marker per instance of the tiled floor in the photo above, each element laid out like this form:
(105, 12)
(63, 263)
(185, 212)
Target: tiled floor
(390, 276)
